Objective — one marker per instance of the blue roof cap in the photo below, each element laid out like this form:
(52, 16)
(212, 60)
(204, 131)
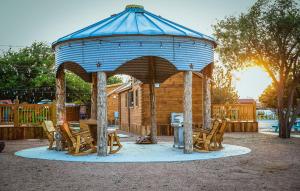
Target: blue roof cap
(134, 20)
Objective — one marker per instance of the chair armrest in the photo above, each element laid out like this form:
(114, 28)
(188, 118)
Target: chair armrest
(206, 131)
(81, 133)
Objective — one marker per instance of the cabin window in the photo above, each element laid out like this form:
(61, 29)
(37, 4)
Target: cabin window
(130, 99)
(137, 97)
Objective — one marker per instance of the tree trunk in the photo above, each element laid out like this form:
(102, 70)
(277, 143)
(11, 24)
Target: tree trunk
(153, 133)
(283, 120)
(207, 102)
(94, 97)
(101, 114)
(60, 106)
(60, 96)
(187, 107)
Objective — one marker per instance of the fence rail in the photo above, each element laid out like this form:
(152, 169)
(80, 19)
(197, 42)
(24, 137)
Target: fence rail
(23, 121)
(20, 115)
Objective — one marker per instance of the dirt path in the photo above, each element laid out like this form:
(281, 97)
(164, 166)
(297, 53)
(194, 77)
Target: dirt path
(273, 164)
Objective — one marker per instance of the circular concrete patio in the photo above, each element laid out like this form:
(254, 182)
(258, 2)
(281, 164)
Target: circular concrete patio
(131, 152)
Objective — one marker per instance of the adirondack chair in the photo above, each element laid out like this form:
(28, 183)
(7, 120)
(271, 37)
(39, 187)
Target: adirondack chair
(78, 143)
(113, 140)
(203, 139)
(219, 135)
(49, 129)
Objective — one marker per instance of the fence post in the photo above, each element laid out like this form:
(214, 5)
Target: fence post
(16, 114)
(53, 112)
(254, 111)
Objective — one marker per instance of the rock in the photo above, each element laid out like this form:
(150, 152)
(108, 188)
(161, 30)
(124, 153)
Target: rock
(143, 140)
(2, 145)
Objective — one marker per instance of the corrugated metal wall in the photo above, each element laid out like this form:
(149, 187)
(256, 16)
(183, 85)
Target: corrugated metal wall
(112, 52)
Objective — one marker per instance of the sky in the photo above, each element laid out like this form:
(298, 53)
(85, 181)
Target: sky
(23, 22)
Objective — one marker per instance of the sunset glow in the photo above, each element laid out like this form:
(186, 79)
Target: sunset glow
(251, 82)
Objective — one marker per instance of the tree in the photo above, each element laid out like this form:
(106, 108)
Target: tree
(268, 35)
(20, 72)
(222, 90)
(269, 98)
(29, 75)
(114, 80)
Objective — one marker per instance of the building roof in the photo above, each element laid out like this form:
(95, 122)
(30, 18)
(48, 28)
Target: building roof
(247, 100)
(134, 20)
(125, 86)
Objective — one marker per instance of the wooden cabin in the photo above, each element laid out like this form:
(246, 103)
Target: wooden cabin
(131, 101)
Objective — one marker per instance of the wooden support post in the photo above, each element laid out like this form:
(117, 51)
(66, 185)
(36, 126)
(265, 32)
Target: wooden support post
(60, 96)
(101, 114)
(188, 115)
(207, 102)
(53, 112)
(94, 96)
(60, 106)
(152, 100)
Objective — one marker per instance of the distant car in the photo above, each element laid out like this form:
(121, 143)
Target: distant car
(45, 101)
(8, 101)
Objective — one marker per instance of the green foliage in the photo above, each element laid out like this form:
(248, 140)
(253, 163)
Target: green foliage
(19, 69)
(269, 97)
(114, 80)
(77, 89)
(222, 90)
(268, 36)
(26, 72)
(29, 74)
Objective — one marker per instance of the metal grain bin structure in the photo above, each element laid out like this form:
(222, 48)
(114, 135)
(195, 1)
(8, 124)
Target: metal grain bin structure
(143, 45)
(129, 37)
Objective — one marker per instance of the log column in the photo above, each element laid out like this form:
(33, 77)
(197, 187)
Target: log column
(94, 96)
(187, 107)
(60, 105)
(60, 96)
(152, 101)
(101, 114)
(207, 102)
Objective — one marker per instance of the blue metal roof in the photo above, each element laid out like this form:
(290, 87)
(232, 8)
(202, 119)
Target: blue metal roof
(134, 20)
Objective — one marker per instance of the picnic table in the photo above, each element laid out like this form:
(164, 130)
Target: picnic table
(92, 125)
(296, 126)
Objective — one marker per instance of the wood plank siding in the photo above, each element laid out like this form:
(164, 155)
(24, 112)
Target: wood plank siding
(169, 98)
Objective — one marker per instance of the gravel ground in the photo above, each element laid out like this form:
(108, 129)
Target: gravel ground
(273, 164)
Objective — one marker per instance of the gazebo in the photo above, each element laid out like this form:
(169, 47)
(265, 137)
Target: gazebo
(137, 43)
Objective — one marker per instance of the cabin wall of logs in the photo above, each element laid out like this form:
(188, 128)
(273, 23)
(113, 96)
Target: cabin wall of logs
(134, 105)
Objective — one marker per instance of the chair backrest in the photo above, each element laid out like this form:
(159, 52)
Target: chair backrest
(223, 126)
(48, 126)
(215, 128)
(67, 133)
(83, 125)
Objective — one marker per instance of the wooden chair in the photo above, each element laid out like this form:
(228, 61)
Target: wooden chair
(113, 140)
(219, 135)
(203, 139)
(83, 125)
(78, 143)
(49, 129)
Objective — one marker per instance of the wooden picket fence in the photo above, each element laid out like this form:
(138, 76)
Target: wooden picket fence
(23, 121)
(242, 116)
